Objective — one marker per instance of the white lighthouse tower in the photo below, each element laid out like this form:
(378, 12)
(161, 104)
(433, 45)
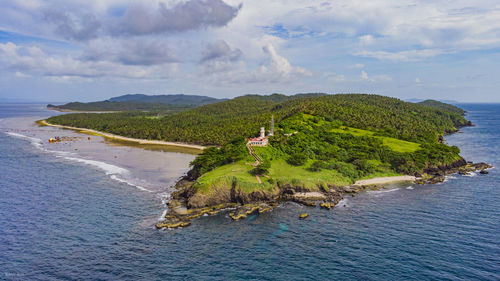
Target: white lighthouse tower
(262, 132)
(271, 132)
(262, 139)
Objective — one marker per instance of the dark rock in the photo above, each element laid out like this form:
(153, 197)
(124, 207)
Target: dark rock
(481, 166)
(484, 172)
(437, 179)
(327, 205)
(420, 181)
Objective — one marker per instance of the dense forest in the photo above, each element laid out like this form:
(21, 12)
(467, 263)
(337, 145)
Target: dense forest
(219, 123)
(444, 106)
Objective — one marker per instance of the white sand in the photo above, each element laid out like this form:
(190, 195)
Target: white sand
(309, 195)
(384, 180)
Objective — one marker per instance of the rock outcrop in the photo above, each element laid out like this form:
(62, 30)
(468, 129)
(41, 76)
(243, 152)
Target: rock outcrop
(189, 203)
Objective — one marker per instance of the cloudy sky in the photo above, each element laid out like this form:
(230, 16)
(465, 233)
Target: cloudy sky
(91, 50)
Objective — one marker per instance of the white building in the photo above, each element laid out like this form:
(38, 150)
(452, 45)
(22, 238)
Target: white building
(262, 140)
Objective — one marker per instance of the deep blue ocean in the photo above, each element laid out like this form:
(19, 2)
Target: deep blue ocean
(68, 221)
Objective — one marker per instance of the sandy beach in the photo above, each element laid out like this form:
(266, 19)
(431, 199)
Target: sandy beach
(117, 137)
(384, 180)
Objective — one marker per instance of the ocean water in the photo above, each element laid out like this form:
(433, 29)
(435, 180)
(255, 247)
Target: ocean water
(71, 219)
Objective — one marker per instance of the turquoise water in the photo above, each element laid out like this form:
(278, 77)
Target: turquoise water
(64, 220)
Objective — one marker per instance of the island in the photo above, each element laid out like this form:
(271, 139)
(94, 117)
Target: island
(312, 149)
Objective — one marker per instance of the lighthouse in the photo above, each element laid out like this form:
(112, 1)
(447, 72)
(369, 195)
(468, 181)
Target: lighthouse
(271, 132)
(262, 139)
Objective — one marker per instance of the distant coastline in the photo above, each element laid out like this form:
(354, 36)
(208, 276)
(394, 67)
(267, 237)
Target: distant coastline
(117, 137)
(79, 111)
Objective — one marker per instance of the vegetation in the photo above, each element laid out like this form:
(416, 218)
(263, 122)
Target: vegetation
(219, 123)
(443, 106)
(118, 106)
(319, 139)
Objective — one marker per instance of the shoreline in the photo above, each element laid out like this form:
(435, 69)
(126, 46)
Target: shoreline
(81, 111)
(187, 204)
(385, 180)
(122, 138)
(180, 213)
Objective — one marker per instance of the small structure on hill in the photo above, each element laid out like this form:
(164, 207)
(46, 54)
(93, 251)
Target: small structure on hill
(262, 139)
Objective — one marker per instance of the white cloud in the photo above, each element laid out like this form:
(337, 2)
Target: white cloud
(411, 55)
(357, 65)
(377, 78)
(220, 50)
(21, 75)
(364, 75)
(333, 77)
(366, 39)
(130, 52)
(34, 60)
(305, 42)
(278, 69)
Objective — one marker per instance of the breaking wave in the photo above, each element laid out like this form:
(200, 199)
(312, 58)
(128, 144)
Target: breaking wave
(111, 170)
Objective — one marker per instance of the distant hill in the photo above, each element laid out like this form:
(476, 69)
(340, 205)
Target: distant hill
(133, 102)
(179, 99)
(414, 100)
(443, 106)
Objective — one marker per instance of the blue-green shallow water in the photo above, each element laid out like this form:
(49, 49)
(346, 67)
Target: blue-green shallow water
(67, 221)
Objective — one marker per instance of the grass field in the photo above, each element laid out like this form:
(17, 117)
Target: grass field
(392, 143)
(280, 172)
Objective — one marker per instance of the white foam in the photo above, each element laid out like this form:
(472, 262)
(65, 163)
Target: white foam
(35, 141)
(343, 203)
(409, 187)
(163, 215)
(114, 177)
(164, 198)
(112, 170)
(383, 191)
(472, 174)
(108, 168)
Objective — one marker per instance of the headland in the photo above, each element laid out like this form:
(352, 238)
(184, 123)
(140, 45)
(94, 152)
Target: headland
(313, 149)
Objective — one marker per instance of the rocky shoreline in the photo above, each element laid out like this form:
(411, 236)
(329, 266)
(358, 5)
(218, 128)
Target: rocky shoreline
(187, 204)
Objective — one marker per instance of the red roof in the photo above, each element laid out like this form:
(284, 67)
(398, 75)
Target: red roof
(256, 139)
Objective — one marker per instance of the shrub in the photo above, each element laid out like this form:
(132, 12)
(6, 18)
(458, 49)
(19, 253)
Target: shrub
(317, 166)
(262, 168)
(297, 159)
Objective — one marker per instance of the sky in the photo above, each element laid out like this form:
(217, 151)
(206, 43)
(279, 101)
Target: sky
(86, 50)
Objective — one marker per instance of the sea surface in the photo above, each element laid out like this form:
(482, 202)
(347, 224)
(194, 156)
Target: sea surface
(85, 209)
